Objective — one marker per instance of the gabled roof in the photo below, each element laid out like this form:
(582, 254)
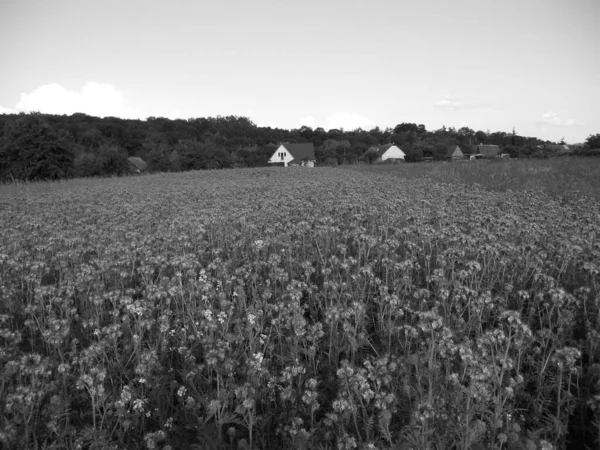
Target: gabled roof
(380, 150)
(488, 150)
(137, 163)
(301, 152)
(454, 150)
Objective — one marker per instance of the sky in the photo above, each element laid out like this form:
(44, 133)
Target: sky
(490, 65)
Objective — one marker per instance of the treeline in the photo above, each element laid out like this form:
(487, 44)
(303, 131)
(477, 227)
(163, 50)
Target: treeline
(40, 146)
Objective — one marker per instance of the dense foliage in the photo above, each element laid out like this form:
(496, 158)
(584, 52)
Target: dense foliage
(38, 146)
(297, 308)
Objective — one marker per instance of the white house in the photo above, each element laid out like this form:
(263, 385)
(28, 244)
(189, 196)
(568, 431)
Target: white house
(385, 152)
(295, 155)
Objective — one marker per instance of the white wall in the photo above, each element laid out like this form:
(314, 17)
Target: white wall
(277, 156)
(393, 152)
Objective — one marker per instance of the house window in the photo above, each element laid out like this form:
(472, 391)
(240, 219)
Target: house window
(282, 155)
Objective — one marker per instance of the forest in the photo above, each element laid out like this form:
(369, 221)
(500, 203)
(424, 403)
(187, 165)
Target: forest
(35, 146)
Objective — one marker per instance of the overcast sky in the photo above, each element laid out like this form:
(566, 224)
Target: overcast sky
(529, 64)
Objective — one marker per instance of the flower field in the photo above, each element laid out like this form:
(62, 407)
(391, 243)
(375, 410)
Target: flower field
(293, 308)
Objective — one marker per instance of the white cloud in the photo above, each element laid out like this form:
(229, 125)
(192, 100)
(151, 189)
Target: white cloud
(555, 119)
(4, 110)
(308, 121)
(349, 121)
(456, 104)
(175, 114)
(96, 99)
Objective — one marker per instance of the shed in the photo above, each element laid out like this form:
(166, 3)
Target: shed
(137, 164)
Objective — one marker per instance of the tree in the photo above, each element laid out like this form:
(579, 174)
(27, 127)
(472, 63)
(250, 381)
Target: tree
(112, 160)
(465, 132)
(306, 132)
(30, 149)
(480, 136)
(592, 141)
(406, 127)
(194, 155)
(511, 151)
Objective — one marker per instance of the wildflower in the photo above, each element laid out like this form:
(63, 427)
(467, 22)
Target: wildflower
(138, 405)
(126, 395)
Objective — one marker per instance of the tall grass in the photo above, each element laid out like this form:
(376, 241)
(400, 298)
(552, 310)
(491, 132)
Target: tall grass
(298, 308)
(559, 177)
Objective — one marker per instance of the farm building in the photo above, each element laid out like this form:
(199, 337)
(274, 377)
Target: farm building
(387, 152)
(486, 151)
(560, 149)
(137, 164)
(454, 153)
(295, 155)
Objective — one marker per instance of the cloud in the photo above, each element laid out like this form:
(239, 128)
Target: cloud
(454, 104)
(175, 114)
(555, 119)
(96, 99)
(349, 121)
(308, 121)
(4, 110)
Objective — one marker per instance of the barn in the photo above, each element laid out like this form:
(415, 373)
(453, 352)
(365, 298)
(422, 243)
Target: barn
(486, 152)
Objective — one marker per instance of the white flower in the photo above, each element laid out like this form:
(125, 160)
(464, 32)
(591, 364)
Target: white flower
(138, 405)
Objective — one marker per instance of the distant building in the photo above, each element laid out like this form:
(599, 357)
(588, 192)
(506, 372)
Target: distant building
(560, 149)
(486, 152)
(385, 152)
(294, 155)
(137, 164)
(454, 153)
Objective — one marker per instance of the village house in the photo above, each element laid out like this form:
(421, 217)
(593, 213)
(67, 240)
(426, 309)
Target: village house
(387, 152)
(486, 152)
(294, 155)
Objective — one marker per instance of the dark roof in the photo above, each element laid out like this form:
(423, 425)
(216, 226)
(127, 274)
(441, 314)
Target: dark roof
(454, 151)
(137, 163)
(467, 149)
(301, 152)
(488, 150)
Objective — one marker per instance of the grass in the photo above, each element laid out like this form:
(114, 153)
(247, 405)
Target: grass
(565, 178)
(369, 307)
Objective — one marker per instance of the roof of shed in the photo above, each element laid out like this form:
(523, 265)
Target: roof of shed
(137, 163)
